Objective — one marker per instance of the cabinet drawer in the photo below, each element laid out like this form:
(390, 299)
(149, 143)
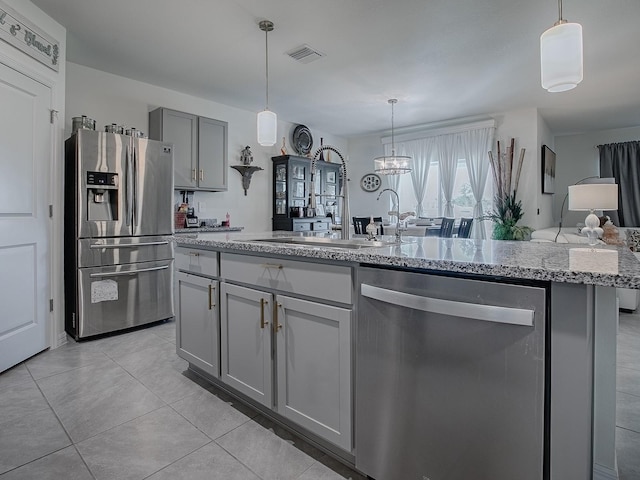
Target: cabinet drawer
(320, 226)
(330, 282)
(301, 226)
(193, 260)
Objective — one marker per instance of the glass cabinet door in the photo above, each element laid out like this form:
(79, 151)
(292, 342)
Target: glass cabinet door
(281, 190)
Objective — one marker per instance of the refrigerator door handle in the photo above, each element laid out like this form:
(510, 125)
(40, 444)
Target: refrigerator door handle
(134, 182)
(474, 311)
(129, 188)
(128, 272)
(128, 245)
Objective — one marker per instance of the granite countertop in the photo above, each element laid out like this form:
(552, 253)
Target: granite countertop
(604, 265)
(209, 229)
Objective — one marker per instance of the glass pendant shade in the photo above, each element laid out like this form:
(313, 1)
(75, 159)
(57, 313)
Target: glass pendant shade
(392, 164)
(267, 128)
(561, 57)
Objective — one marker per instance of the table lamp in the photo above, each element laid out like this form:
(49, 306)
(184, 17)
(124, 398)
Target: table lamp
(590, 197)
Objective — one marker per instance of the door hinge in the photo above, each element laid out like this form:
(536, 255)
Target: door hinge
(73, 320)
(52, 115)
(51, 304)
(50, 211)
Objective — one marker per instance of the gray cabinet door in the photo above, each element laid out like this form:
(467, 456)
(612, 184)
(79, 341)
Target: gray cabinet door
(181, 129)
(314, 367)
(212, 154)
(197, 322)
(246, 341)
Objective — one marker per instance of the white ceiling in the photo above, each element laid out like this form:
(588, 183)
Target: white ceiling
(441, 59)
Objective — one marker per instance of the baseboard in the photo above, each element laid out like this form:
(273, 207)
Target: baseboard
(604, 473)
(62, 339)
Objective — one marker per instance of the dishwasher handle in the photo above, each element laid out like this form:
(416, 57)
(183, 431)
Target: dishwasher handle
(473, 311)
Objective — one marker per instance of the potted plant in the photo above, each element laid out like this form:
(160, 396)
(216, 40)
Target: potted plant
(507, 210)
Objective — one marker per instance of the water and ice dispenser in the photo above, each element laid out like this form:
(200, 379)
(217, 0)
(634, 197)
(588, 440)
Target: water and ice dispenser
(102, 196)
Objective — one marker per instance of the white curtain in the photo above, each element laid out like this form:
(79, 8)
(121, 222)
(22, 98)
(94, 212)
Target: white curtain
(447, 161)
(475, 147)
(421, 151)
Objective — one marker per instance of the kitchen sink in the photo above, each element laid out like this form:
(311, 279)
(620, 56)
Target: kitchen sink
(352, 244)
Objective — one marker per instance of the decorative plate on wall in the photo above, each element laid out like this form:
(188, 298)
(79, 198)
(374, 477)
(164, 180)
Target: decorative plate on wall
(302, 140)
(370, 182)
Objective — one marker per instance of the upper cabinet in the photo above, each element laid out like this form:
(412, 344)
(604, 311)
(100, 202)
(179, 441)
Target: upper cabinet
(199, 148)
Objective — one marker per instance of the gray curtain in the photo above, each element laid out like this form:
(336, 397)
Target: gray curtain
(622, 162)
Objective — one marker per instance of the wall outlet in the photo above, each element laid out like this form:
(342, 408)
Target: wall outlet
(202, 206)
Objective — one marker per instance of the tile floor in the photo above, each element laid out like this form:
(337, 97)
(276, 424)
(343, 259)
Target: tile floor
(124, 407)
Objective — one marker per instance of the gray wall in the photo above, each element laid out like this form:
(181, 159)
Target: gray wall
(577, 158)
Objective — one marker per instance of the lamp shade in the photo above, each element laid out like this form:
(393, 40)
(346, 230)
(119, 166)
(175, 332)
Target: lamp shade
(561, 57)
(597, 196)
(267, 128)
(393, 164)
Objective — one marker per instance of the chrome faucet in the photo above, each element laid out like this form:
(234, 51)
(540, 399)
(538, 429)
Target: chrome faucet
(345, 223)
(398, 233)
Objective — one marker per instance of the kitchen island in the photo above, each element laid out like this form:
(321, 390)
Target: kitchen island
(284, 285)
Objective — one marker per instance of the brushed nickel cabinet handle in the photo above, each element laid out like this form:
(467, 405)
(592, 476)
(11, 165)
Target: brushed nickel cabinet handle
(263, 302)
(193, 174)
(211, 302)
(201, 174)
(276, 325)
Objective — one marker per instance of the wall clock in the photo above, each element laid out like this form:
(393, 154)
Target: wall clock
(370, 182)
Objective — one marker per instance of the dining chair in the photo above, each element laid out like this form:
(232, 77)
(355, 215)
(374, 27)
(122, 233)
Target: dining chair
(360, 224)
(446, 227)
(464, 229)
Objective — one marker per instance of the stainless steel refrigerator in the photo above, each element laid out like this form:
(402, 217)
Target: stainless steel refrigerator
(118, 216)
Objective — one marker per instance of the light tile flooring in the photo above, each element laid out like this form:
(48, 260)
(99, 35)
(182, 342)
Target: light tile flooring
(125, 407)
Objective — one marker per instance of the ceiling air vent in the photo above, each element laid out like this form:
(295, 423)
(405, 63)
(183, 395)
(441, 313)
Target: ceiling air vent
(305, 54)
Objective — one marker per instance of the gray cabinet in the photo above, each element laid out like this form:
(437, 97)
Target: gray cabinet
(308, 380)
(196, 291)
(197, 321)
(200, 148)
(313, 345)
(246, 342)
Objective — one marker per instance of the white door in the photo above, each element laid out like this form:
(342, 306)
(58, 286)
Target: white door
(25, 156)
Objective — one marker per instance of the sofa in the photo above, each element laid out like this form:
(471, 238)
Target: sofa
(628, 299)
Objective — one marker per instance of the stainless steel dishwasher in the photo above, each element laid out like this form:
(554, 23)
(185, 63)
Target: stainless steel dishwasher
(450, 378)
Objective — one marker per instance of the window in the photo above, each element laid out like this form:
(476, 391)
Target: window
(433, 203)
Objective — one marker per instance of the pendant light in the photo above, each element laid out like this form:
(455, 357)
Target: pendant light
(392, 164)
(267, 120)
(561, 55)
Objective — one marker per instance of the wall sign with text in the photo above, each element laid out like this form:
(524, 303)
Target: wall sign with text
(22, 34)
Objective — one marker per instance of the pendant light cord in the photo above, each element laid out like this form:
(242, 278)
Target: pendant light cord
(393, 143)
(266, 56)
(560, 10)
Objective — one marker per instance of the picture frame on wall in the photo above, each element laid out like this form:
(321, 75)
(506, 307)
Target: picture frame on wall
(548, 170)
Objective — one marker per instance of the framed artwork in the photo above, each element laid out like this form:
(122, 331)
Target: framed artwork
(320, 210)
(331, 190)
(548, 170)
